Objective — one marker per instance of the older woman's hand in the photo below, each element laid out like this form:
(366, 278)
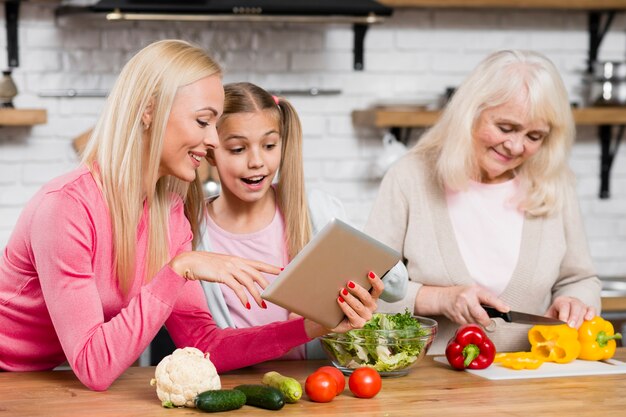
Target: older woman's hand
(356, 302)
(570, 310)
(462, 304)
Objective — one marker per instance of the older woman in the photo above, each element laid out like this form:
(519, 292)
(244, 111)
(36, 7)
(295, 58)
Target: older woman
(484, 210)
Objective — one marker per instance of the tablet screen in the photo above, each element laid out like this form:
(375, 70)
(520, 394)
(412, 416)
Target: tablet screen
(310, 284)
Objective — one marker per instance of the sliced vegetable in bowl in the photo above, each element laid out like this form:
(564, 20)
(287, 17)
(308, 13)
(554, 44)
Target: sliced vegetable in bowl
(389, 343)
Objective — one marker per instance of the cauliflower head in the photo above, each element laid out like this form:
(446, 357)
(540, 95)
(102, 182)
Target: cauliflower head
(181, 376)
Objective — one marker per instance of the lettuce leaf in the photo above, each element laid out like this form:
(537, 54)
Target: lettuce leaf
(399, 349)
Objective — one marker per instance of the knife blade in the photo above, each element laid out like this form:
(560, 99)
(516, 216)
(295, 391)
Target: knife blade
(519, 317)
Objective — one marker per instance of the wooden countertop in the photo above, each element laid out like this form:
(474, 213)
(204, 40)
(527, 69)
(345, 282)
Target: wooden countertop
(430, 389)
(406, 116)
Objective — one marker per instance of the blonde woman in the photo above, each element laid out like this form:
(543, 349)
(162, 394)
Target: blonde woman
(253, 217)
(100, 258)
(484, 210)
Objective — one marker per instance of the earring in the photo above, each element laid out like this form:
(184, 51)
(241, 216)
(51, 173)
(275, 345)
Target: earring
(146, 126)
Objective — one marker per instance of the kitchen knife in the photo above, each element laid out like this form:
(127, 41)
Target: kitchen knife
(519, 317)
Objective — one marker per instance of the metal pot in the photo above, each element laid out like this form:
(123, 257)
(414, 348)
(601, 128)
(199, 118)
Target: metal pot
(607, 85)
(609, 70)
(608, 93)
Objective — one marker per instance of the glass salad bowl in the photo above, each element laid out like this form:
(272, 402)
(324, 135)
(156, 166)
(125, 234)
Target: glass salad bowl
(389, 343)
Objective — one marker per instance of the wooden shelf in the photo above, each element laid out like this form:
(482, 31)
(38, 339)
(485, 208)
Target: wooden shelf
(508, 4)
(613, 304)
(23, 117)
(406, 117)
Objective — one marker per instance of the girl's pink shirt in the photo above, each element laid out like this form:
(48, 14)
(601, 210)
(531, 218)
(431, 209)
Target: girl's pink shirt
(265, 245)
(487, 213)
(59, 298)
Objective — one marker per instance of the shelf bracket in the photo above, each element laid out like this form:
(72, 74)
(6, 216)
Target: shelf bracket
(11, 13)
(597, 30)
(359, 39)
(609, 146)
(402, 134)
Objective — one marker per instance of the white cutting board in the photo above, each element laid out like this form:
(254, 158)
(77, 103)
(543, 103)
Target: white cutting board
(548, 369)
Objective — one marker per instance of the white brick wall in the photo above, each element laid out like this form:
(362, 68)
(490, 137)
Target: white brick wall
(412, 57)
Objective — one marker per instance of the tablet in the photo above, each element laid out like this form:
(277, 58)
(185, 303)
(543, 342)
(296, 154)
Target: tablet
(310, 284)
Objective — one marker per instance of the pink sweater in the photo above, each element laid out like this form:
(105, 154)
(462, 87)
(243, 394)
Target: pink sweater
(59, 299)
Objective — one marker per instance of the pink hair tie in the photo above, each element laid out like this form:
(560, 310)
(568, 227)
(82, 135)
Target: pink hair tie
(276, 100)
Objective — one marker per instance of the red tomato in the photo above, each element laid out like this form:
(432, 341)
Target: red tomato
(337, 374)
(320, 387)
(365, 382)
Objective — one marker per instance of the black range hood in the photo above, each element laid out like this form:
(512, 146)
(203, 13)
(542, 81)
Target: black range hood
(238, 9)
(359, 13)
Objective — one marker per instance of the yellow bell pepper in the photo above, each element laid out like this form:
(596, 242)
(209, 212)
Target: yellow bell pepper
(518, 360)
(597, 339)
(557, 343)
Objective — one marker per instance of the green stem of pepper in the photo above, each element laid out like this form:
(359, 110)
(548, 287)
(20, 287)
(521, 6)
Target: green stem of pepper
(603, 338)
(470, 352)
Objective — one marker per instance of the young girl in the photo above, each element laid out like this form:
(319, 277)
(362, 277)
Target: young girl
(100, 258)
(260, 135)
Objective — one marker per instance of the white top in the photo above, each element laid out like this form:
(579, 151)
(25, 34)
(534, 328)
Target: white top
(485, 216)
(265, 245)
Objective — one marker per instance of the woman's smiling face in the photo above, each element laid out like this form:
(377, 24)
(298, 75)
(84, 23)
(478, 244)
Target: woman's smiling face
(249, 154)
(504, 138)
(191, 127)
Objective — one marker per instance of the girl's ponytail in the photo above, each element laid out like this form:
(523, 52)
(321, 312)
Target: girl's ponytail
(291, 190)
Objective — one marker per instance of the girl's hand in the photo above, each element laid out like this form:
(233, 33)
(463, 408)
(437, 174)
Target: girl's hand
(356, 302)
(570, 310)
(461, 304)
(233, 271)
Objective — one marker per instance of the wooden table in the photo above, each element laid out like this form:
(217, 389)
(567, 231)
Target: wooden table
(430, 389)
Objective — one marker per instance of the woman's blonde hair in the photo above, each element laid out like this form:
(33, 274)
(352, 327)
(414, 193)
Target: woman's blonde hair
(291, 197)
(122, 148)
(504, 76)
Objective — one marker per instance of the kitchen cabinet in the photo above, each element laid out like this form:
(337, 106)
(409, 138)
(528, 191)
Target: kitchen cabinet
(508, 4)
(22, 117)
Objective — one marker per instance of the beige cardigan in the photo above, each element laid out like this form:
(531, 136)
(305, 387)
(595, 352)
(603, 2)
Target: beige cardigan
(410, 215)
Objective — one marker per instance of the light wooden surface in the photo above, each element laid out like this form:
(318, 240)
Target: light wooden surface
(613, 303)
(431, 389)
(23, 117)
(405, 116)
(511, 4)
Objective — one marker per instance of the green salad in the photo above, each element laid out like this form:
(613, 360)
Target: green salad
(395, 349)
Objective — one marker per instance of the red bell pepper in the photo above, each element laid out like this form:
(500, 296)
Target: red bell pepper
(470, 348)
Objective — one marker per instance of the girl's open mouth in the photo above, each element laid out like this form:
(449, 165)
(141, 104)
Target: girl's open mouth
(253, 180)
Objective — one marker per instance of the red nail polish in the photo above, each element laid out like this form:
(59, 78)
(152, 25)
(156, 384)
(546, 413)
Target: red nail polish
(263, 304)
(341, 300)
(371, 275)
(282, 269)
(351, 284)
(344, 292)
(248, 306)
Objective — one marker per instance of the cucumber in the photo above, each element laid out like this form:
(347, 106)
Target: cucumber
(262, 396)
(220, 400)
(291, 389)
